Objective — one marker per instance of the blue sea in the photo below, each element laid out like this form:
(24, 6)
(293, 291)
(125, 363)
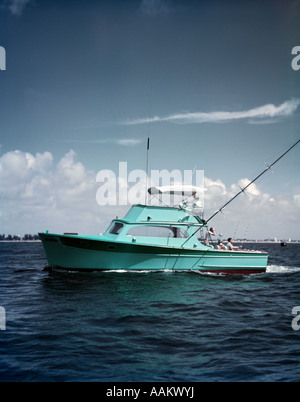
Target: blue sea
(148, 327)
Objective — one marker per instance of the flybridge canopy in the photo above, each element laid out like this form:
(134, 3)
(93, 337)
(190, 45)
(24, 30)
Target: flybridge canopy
(179, 189)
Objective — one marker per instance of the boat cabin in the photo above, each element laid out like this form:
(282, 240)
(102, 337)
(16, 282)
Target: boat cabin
(159, 225)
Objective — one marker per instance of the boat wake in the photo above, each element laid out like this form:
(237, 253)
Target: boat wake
(271, 269)
(280, 269)
(142, 271)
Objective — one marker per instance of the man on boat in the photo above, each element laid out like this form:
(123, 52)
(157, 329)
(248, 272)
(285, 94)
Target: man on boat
(230, 246)
(210, 232)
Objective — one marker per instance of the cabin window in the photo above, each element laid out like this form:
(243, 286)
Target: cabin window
(157, 231)
(116, 229)
(181, 233)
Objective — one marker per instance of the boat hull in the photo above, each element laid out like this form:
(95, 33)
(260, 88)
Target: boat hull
(87, 253)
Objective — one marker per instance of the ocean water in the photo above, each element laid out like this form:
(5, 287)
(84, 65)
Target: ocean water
(144, 327)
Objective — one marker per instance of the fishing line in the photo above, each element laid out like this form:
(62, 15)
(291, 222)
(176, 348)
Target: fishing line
(244, 188)
(236, 228)
(244, 238)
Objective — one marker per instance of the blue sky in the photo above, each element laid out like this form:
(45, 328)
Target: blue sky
(75, 99)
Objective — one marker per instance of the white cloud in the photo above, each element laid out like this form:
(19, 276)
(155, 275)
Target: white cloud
(17, 168)
(69, 171)
(127, 142)
(252, 190)
(265, 215)
(40, 162)
(215, 189)
(264, 114)
(297, 199)
(16, 7)
(37, 195)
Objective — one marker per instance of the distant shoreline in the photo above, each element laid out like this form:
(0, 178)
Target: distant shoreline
(236, 241)
(268, 241)
(20, 241)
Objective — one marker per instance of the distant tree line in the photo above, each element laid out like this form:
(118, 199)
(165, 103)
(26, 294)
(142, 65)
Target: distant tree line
(19, 238)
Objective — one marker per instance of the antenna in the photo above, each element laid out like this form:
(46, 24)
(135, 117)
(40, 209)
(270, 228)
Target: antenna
(148, 143)
(147, 159)
(150, 101)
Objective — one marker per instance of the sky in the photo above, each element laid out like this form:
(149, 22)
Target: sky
(212, 83)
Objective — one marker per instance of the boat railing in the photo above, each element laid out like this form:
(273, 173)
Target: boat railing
(160, 222)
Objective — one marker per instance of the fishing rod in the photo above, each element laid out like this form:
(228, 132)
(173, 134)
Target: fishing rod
(242, 191)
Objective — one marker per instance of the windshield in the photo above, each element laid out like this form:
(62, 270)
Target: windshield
(116, 228)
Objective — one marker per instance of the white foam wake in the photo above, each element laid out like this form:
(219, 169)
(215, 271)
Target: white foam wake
(280, 269)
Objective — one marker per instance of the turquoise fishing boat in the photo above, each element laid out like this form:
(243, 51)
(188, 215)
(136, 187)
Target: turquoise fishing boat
(154, 238)
(149, 238)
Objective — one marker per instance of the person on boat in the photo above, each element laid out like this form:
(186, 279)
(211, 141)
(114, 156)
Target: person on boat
(221, 245)
(210, 232)
(230, 246)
